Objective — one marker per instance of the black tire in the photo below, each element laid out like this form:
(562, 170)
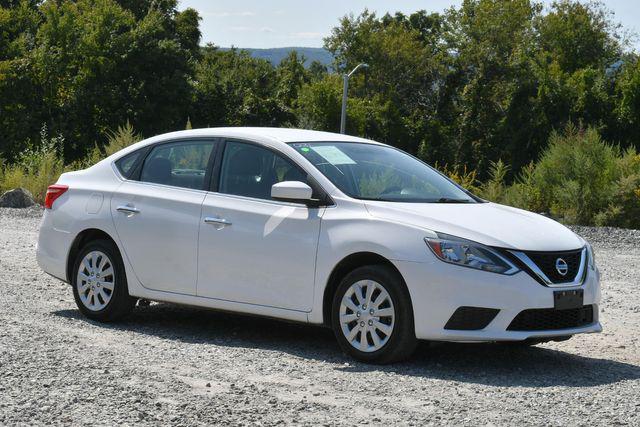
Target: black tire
(120, 303)
(402, 340)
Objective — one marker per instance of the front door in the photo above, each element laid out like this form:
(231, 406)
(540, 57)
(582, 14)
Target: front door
(254, 249)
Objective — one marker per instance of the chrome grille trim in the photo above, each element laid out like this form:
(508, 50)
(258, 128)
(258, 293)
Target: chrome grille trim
(577, 280)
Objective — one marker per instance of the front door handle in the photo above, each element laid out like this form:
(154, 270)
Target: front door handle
(219, 222)
(128, 210)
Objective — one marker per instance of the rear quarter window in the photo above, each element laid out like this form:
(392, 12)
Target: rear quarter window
(125, 164)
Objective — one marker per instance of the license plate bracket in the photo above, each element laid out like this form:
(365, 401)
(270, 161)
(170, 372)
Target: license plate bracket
(564, 300)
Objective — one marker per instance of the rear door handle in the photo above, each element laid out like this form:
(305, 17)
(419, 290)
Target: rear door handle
(129, 210)
(221, 222)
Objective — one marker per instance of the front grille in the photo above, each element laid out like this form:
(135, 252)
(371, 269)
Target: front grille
(546, 261)
(471, 318)
(547, 319)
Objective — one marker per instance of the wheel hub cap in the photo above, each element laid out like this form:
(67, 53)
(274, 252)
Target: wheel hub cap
(95, 280)
(367, 316)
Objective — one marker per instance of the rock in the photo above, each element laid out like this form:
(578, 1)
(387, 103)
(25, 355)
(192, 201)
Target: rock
(17, 198)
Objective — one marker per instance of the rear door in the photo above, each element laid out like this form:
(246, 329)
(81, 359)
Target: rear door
(157, 214)
(254, 249)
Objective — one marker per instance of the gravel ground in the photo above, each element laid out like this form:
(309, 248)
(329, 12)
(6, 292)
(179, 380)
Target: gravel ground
(177, 365)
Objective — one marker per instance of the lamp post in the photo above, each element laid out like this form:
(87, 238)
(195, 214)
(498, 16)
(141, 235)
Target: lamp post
(345, 89)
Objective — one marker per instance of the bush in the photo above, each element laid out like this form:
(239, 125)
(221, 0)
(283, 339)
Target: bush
(624, 207)
(524, 193)
(577, 175)
(460, 174)
(495, 189)
(36, 168)
(580, 179)
(42, 164)
(123, 137)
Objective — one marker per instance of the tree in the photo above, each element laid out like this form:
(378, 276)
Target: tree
(291, 75)
(188, 30)
(405, 71)
(578, 35)
(317, 70)
(232, 88)
(492, 40)
(91, 66)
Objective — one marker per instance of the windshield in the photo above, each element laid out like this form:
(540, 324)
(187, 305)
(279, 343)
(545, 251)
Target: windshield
(377, 172)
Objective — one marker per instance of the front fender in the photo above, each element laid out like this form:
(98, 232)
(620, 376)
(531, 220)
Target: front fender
(346, 232)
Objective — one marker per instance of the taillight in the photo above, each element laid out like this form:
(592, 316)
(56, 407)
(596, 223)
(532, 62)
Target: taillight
(53, 192)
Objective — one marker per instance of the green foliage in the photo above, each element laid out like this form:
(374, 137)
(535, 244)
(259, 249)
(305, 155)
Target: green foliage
(122, 137)
(578, 35)
(36, 168)
(291, 76)
(319, 104)
(623, 209)
(580, 179)
(461, 175)
(234, 89)
(187, 30)
(86, 66)
(41, 164)
(494, 189)
(485, 80)
(577, 174)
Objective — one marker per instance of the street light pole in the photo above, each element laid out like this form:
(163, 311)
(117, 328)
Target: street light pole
(345, 89)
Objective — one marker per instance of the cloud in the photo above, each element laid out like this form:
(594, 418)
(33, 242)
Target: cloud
(307, 35)
(252, 29)
(228, 14)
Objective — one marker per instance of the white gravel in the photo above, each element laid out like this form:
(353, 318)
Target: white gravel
(176, 365)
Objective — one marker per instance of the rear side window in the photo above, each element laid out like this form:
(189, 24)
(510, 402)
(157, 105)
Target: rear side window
(125, 164)
(179, 164)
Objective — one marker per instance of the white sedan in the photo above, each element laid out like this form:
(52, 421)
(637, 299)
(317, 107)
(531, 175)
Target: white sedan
(314, 227)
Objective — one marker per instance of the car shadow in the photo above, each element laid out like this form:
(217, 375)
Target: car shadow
(489, 364)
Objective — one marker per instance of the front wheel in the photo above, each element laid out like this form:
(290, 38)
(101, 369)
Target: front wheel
(100, 284)
(372, 315)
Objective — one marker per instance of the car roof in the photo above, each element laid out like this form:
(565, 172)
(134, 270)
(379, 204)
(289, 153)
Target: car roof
(256, 134)
(285, 135)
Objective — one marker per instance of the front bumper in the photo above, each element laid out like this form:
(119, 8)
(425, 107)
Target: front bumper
(438, 289)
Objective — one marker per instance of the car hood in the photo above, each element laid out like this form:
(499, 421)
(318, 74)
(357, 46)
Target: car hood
(487, 223)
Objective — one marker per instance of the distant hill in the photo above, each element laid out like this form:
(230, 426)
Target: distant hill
(277, 54)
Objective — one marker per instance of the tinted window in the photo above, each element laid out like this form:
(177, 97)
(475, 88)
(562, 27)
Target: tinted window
(180, 164)
(249, 170)
(125, 165)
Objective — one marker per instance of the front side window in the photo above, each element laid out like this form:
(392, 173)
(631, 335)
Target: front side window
(179, 164)
(377, 172)
(249, 170)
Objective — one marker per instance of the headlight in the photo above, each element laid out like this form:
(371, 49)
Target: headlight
(466, 253)
(591, 257)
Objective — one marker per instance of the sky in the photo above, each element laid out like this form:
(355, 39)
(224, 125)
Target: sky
(285, 23)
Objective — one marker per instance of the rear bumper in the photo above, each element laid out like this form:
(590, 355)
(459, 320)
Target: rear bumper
(53, 248)
(438, 289)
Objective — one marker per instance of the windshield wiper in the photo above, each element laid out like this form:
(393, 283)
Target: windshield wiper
(450, 200)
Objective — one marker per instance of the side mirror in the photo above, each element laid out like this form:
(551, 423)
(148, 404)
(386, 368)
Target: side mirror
(292, 191)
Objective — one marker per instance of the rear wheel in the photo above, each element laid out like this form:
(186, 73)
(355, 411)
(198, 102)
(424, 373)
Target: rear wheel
(372, 316)
(100, 284)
